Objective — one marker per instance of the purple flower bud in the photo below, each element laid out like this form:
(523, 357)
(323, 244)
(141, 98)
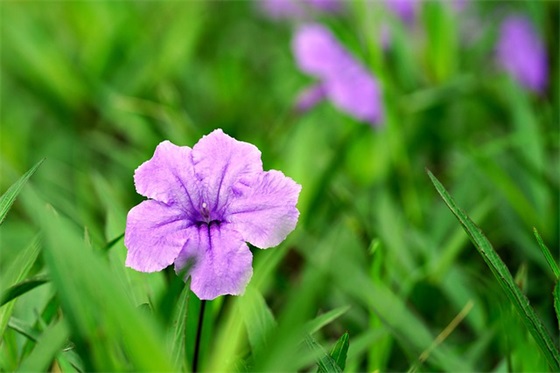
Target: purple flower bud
(521, 53)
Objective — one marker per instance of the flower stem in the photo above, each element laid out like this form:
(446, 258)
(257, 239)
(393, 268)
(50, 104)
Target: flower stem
(198, 336)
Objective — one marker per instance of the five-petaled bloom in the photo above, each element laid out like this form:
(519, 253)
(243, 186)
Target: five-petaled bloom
(204, 204)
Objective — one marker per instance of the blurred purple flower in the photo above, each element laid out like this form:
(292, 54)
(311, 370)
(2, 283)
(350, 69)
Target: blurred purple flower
(310, 97)
(317, 51)
(326, 5)
(204, 204)
(407, 10)
(295, 9)
(354, 91)
(460, 5)
(521, 53)
(404, 9)
(346, 83)
(281, 9)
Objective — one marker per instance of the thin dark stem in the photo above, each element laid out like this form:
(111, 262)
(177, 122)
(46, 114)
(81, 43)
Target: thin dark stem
(198, 336)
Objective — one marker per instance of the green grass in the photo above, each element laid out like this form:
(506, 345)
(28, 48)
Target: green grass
(379, 274)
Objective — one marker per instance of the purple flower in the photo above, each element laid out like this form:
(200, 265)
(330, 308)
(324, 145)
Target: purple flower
(354, 90)
(310, 97)
(521, 53)
(317, 51)
(326, 5)
(204, 204)
(281, 9)
(404, 9)
(344, 81)
(295, 9)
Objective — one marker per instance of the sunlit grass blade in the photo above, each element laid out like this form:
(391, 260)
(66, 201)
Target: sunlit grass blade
(325, 363)
(49, 344)
(71, 357)
(113, 242)
(340, 350)
(16, 273)
(442, 336)
(177, 332)
(109, 332)
(24, 329)
(21, 288)
(259, 320)
(557, 301)
(326, 318)
(405, 326)
(284, 352)
(8, 198)
(504, 277)
(547, 255)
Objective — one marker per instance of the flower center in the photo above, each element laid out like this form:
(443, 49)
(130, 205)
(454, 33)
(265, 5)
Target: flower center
(204, 211)
(206, 216)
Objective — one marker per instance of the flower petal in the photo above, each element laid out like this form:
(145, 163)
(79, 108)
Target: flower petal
(522, 53)
(405, 9)
(354, 90)
(221, 163)
(317, 51)
(154, 235)
(265, 212)
(216, 259)
(310, 97)
(169, 177)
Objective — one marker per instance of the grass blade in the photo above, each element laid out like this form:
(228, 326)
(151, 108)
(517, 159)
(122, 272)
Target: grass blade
(320, 321)
(340, 351)
(24, 329)
(8, 198)
(85, 285)
(48, 346)
(21, 288)
(16, 273)
(325, 364)
(557, 302)
(177, 332)
(502, 274)
(259, 319)
(547, 255)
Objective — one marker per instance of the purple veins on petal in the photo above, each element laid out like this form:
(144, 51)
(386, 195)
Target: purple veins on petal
(168, 177)
(521, 53)
(203, 201)
(221, 162)
(216, 259)
(265, 211)
(154, 235)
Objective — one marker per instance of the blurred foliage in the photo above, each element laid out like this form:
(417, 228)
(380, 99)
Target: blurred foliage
(94, 86)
